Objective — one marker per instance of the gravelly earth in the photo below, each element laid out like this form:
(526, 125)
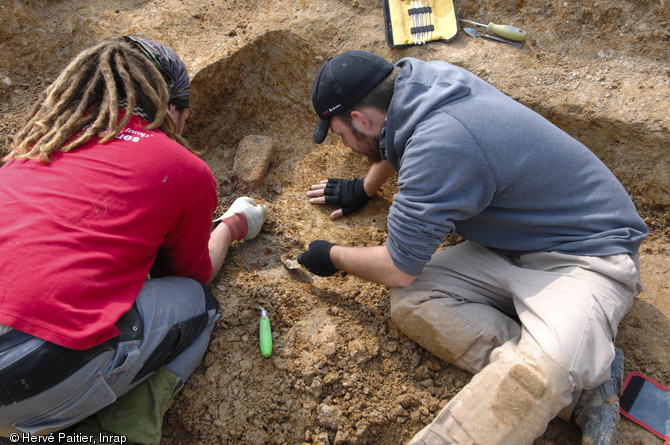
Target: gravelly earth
(341, 372)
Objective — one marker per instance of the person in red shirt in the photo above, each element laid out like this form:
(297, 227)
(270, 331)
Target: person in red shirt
(107, 247)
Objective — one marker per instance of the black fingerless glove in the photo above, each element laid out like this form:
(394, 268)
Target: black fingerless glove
(317, 259)
(349, 193)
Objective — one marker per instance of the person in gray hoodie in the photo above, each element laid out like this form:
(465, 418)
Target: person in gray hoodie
(530, 301)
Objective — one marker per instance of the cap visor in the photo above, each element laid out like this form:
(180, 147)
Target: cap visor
(321, 130)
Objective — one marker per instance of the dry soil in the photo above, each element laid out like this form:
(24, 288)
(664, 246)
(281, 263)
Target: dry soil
(341, 372)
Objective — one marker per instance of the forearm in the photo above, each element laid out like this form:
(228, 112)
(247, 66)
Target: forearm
(219, 242)
(378, 174)
(371, 264)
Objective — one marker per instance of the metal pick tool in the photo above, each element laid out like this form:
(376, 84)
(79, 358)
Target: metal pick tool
(422, 23)
(413, 24)
(415, 5)
(430, 21)
(472, 32)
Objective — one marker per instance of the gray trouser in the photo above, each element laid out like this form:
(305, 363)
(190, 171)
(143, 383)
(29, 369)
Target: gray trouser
(470, 300)
(169, 326)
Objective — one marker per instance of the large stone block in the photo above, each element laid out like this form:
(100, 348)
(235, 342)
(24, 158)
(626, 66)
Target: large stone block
(252, 160)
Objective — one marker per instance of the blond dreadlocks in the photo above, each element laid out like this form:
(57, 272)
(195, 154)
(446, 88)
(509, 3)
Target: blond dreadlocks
(84, 100)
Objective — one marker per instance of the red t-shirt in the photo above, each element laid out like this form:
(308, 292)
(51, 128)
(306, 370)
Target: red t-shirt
(79, 235)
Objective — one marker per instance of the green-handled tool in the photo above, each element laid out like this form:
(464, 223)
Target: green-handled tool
(508, 32)
(265, 333)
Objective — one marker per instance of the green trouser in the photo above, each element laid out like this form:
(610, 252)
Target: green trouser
(137, 415)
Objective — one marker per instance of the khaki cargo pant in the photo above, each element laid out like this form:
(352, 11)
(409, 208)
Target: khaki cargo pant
(470, 300)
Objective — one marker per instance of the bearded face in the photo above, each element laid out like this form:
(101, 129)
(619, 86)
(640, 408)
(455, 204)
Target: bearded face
(364, 144)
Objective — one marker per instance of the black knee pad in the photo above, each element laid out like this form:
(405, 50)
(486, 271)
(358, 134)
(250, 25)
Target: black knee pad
(210, 300)
(179, 337)
(45, 367)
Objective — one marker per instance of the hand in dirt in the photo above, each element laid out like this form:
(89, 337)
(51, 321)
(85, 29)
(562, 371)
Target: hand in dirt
(349, 193)
(317, 259)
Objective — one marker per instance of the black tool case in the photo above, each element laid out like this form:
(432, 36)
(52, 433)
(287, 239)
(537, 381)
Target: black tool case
(415, 22)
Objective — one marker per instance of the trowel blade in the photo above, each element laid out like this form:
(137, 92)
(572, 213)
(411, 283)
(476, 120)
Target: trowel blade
(295, 270)
(472, 32)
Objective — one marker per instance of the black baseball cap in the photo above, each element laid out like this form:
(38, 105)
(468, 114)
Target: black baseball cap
(341, 82)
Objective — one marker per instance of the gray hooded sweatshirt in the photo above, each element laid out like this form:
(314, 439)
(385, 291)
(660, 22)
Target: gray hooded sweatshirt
(473, 161)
